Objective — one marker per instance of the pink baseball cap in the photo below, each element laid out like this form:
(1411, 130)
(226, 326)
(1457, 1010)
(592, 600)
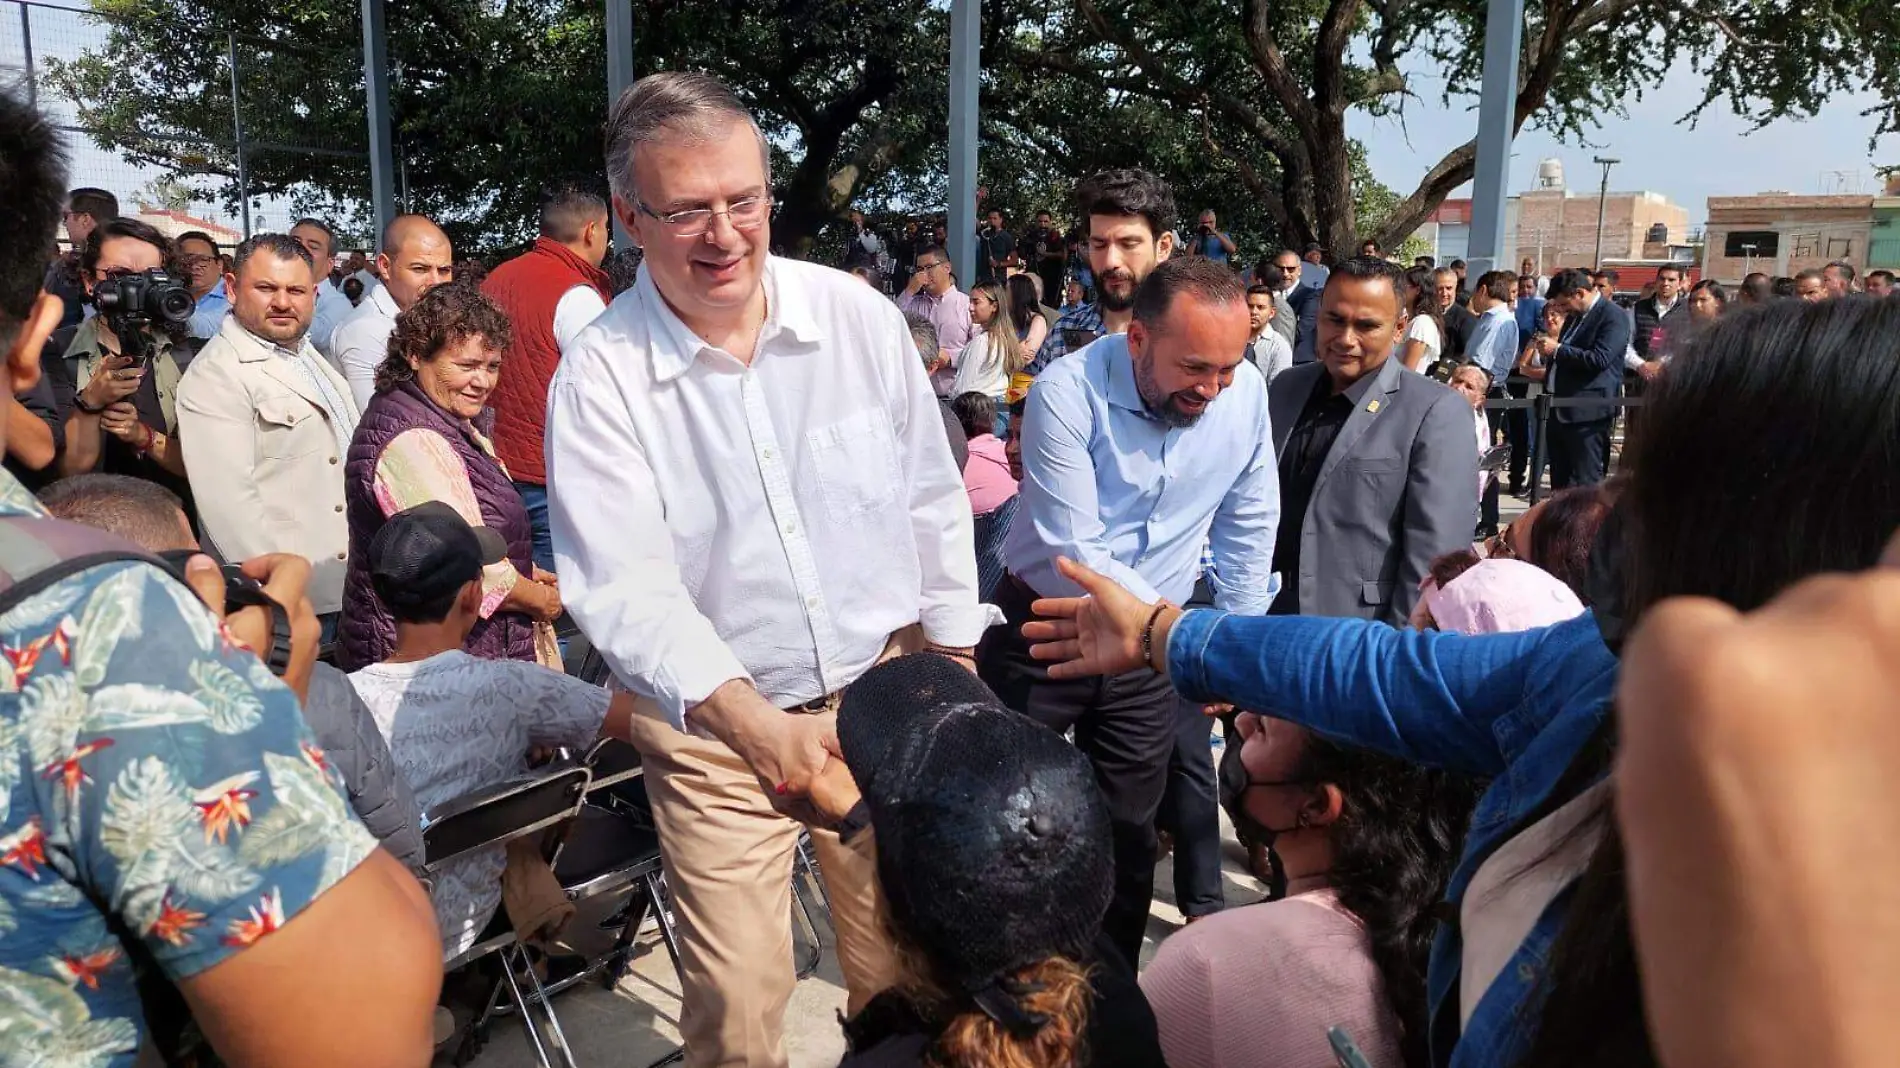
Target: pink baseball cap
(1499, 597)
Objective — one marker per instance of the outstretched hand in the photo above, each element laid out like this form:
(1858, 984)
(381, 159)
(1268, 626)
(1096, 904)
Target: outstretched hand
(1099, 634)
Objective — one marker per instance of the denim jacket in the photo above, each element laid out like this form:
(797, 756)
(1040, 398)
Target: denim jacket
(1513, 707)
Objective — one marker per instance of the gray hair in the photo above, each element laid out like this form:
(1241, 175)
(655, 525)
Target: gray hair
(672, 106)
(923, 334)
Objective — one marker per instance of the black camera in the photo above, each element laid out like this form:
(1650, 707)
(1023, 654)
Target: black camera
(133, 304)
(241, 591)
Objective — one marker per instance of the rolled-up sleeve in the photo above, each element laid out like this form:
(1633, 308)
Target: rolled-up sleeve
(619, 577)
(948, 606)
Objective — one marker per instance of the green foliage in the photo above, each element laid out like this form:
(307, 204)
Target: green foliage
(1240, 103)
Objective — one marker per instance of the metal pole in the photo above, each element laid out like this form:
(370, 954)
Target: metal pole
(964, 21)
(1497, 114)
(26, 52)
(1603, 198)
(382, 168)
(619, 77)
(237, 135)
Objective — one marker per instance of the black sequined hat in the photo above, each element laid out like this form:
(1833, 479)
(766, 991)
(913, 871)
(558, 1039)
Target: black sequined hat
(993, 843)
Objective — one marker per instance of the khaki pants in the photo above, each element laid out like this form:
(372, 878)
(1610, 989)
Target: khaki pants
(728, 858)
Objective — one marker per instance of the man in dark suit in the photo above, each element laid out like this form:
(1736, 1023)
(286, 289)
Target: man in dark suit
(1378, 465)
(1586, 362)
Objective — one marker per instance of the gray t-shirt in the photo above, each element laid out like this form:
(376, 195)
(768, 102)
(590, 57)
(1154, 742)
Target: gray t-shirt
(456, 724)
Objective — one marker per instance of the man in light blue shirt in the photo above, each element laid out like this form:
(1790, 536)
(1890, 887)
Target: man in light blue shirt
(1493, 343)
(1138, 451)
(204, 272)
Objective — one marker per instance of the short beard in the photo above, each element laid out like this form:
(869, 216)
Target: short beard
(1162, 409)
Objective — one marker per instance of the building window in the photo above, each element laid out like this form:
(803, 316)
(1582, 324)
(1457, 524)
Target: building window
(1840, 248)
(1766, 242)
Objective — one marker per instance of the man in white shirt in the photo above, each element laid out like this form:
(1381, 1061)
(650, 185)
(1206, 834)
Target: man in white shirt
(1268, 350)
(416, 258)
(752, 503)
(332, 306)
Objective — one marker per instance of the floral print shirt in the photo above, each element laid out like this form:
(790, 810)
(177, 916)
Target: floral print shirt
(162, 804)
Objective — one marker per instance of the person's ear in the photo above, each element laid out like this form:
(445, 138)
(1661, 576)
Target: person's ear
(23, 360)
(1322, 807)
(470, 600)
(1164, 247)
(629, 217)
(1137, 338)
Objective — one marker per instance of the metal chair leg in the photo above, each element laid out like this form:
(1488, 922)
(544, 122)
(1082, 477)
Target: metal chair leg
(556, 1035)
(521, 1005)
(656, 889)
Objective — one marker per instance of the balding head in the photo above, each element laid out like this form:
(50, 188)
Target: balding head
(416, 258)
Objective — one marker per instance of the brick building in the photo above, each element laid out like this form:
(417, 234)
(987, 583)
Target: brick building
(1781, 233)
(1554, 227)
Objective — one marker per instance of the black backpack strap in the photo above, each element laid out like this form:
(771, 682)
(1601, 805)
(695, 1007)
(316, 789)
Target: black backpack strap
(38, 552)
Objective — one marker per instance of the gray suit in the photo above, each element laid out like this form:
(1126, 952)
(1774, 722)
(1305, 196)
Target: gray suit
(1398, 489)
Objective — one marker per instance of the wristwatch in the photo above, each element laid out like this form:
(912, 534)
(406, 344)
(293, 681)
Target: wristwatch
(79, 402)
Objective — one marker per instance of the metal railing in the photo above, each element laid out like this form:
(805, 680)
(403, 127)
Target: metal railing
(1541, 406)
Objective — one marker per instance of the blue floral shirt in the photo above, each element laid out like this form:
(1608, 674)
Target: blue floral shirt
(154, 777)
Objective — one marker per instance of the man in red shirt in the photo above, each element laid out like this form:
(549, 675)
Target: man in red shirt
(551, 293)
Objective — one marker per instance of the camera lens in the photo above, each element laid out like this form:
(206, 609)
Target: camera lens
(173, 304)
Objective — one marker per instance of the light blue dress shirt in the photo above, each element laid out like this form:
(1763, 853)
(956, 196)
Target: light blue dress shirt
(208, 317)
(1107, 484)
(1493, 344)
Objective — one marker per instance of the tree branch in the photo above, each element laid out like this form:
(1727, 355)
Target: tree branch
(1272, 65)
(1329, 53)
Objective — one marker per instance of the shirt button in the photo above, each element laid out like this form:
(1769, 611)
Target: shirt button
(333, 460)
(765, 454)
(339, 508)
(1526, 972)
(811, 602)
(791, 528)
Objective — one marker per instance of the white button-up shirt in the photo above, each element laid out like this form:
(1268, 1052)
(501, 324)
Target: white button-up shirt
(361, 342)
(773, 522)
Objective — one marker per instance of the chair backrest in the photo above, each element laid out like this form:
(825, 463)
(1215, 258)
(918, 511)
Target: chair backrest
(500, 814)
(611, 761)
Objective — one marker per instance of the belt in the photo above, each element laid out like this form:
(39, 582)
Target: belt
(827, 703)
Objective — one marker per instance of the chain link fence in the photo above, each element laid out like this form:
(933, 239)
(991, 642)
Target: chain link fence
(191, 126)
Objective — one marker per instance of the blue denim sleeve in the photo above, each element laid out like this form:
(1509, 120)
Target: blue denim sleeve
(1426, 696)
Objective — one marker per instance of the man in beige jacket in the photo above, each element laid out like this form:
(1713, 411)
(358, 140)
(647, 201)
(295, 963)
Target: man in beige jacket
(266, 423)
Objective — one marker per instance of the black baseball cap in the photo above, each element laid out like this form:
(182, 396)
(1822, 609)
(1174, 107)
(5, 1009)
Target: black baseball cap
(422, 555)
(993, 840)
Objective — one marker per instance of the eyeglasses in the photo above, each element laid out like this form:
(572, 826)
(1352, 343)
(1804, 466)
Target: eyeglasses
(192, 263)
(746, 213)
(922, 267)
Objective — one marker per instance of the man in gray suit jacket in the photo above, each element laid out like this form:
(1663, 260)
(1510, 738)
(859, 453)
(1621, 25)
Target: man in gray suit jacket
(1378, 466)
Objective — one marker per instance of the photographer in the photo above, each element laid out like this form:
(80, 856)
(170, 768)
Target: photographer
(1210, 241)
(113, 377)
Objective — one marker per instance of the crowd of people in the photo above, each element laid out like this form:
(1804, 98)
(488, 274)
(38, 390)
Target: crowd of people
(961, 585)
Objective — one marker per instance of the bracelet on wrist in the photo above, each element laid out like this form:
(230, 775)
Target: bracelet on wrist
(1148, 636)
(79, 402)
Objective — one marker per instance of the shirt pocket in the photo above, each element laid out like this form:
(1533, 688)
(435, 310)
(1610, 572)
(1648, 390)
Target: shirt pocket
(856, 462)
(287, 428)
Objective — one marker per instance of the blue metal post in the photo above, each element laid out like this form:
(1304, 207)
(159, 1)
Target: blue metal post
(382, 168)
(964, 21)
(1503, 36)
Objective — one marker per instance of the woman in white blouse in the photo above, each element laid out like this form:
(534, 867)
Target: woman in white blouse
(985, 364)
(1424, 336)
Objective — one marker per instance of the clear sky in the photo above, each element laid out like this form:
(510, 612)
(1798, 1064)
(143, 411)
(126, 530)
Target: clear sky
(1718, 157)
